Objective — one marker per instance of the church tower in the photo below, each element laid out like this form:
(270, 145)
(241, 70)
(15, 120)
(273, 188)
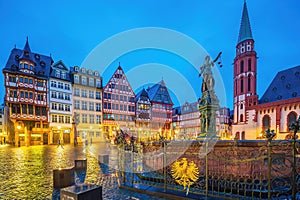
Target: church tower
(244, 71)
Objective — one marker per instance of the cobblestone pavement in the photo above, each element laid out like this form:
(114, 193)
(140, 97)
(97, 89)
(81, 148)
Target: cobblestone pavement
(26, 172)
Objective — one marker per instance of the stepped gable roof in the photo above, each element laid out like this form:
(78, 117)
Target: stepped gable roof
(284, 86)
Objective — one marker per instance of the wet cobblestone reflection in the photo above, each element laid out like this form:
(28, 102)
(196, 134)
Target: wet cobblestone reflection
(26, 172)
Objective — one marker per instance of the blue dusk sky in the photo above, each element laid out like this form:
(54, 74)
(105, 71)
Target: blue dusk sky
(77, 32)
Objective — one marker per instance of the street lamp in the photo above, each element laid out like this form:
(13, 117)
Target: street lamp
(60, 141)
(18, 127)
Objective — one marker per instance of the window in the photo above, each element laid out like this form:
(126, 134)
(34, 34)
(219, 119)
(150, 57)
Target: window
(54, 106)
(30, 109)
(37, 110)
(91, 119)
(76, 104)
(22, 94)
(83, 105)
(25, 80)
(76, 92)
(292, 116)
(76, 79)
(26, 66)
(83, 80)
(57, 73)
(30, 81)
(68, 119)
(83, 93)
(67, 86)
(266, 122)
(24, 109)
(242, 66)
(98, 83)
(40, 97)
(98, 119)
(12, 79)
(60, 85)
(60, 107)
(67, 97)
(91, 82)
(63, 75)
(40, 83)
(53, 94)
(98, 95)
(60, 95)
(21, 79)
(249, 83)
(54, 118)
(61, 119)
(84, 118)
(67, 108)
(53, 83)
(249, 64)
(241, 106)
(98, 107)
(91, 94)
(241, 118)
(91, 106)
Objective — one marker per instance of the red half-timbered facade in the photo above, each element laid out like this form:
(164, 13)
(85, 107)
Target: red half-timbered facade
(26, 95)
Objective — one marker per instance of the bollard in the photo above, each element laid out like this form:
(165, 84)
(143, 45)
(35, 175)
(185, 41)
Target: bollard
(82, 192)
(81, 164)
(63, 177)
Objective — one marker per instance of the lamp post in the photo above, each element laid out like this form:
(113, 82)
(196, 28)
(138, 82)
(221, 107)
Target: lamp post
(60, 141)
(295, 126)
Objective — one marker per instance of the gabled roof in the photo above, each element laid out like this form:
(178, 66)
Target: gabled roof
(159, 93)
(245, 28)
(61, 66)
(284, 86)
(42, 62)
(143, 95)
(189, 108)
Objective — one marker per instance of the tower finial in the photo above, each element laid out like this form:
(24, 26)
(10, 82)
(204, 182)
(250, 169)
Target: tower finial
(245, 28)
(26, 47)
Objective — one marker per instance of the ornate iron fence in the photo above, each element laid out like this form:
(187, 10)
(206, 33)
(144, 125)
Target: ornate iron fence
(232, 169)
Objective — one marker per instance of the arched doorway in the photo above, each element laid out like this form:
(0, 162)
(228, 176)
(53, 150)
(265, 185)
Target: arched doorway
(266, 123)
(291, 117)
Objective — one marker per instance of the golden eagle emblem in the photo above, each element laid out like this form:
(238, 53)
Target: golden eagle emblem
(185, 173)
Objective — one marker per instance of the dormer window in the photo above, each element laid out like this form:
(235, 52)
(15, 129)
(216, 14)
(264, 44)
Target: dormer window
(57, 74)
(63, 75)
(96, 73)
(37, 56)
(83, 70)
(43, 64)
(90, 72)
(25, 66)
(76, 69)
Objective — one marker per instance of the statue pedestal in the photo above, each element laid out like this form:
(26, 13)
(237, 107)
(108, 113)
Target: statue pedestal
(208, 119)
